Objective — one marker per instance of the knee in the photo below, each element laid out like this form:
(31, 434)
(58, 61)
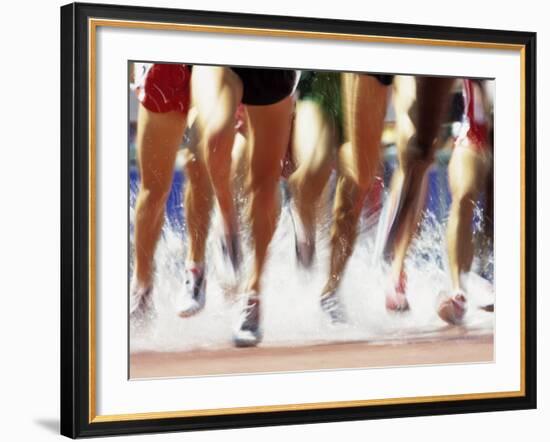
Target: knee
(195, 169)
(155, 186)
(307, 180)
(263, 190)
(264, 175)
(217, 141)
(463, 203)
(217, 162)
(214, 137)
(349, 201)
(416, 157)
(364, 181)
(151, 199)
(357, 172)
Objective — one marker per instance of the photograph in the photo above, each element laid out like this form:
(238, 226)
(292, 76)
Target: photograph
(288, 220)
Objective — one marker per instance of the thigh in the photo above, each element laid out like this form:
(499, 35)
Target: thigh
(420, 105)
(468, 170)
(158, 138)
(432, 104)
(365, 101)
(404, 97)
(269, 132)
(216, 92)
(364, 98)
(312, 134)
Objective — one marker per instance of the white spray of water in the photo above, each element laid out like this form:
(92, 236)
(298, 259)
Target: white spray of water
(290, 295)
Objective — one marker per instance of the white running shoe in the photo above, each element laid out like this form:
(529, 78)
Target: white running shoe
(248, 331)
(304, 239)
(141, 301)
(194, 296)
(333, 308)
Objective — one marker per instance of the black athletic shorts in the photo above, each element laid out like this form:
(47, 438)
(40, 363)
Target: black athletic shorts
(386, 80)
(266, 86)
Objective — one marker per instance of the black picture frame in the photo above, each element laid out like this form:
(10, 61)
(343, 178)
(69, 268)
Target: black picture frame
(75, 221)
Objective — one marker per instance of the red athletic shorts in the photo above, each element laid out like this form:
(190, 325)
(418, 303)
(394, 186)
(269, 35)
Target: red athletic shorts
(475, 123)
(164, 87)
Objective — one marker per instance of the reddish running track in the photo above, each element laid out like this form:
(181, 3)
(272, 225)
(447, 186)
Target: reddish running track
(449, 349)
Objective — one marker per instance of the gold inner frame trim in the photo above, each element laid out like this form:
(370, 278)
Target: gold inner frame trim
(294, 407)
(92, 28)
(299, 34)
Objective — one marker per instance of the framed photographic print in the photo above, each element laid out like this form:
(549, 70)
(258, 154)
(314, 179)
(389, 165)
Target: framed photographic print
(275, 220)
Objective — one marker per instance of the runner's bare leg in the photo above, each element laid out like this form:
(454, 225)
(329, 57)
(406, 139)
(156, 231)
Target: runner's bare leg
(365, 100)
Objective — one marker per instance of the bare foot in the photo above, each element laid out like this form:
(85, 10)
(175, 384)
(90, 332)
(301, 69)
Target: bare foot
(396, 300)
(452, 309)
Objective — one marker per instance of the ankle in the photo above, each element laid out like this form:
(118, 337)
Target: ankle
(401, 282)
(140, 282)
(195, 267)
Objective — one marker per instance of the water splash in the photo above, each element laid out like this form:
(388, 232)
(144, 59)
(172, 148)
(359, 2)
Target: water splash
(290, 297)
